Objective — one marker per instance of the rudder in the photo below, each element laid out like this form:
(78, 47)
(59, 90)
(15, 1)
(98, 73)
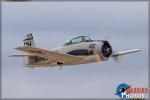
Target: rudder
(28, 40)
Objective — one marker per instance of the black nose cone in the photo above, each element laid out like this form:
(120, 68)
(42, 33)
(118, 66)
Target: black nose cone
(106, 49)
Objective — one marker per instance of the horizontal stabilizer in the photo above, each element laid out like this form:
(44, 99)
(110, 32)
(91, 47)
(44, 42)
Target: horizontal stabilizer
(21, 55)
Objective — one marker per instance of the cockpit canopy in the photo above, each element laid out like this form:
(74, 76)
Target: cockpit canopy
(77, 39)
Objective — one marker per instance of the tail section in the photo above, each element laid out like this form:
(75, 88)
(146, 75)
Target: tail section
(28, 41)
(29, 60)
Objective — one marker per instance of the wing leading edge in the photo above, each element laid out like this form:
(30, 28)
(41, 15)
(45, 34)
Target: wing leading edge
(50, 55)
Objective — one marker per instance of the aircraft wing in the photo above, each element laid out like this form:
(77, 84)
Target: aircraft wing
(50, 55)
(120, 53)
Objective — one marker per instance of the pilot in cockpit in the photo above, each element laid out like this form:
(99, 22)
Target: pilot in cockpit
(77, 39)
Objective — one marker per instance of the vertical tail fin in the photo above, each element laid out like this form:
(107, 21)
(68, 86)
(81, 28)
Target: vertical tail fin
(28, 40)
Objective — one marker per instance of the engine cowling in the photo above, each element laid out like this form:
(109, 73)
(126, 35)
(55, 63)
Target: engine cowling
(106, 50)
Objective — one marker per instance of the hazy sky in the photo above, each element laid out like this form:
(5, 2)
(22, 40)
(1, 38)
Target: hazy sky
(51, 24)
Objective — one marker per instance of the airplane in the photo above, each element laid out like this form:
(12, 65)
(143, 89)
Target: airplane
(77, 50)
